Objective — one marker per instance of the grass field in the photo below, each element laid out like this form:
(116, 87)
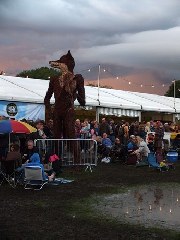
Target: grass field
(63, 212)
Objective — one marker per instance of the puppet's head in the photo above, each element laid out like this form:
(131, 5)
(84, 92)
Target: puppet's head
(66, 59)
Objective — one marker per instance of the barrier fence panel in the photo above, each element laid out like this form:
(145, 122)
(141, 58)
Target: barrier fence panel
(72, 152)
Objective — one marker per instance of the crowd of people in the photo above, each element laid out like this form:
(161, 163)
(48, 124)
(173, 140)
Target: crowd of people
(122, 141)
(127, 142)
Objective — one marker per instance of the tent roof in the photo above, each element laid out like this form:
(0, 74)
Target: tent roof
(34, 90)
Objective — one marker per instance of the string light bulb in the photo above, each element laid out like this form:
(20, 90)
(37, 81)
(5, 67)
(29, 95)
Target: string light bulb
(131, 83)
(127, 212)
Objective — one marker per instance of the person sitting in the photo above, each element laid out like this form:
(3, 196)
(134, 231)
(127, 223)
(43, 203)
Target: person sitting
(143, 150)
(118, 151)
(29, 151)
(48, 129)
(132, 145)
(12, 160)
(131, 148)
(14, 155)
(100, 147)
(39, 136)
(35, 161)
(106, 142)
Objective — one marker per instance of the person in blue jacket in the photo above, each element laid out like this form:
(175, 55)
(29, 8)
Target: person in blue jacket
(35, 161)
(132, 144)
(106, 142)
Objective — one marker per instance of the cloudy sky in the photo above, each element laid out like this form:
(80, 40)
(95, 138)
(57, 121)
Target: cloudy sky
(136, 41)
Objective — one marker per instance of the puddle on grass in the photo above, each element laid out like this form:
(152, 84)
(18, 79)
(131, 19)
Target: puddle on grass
(151, 206)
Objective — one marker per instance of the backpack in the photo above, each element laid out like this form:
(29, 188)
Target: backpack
(53, 158)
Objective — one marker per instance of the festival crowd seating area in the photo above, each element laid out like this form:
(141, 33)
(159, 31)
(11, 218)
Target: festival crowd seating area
(123, 142)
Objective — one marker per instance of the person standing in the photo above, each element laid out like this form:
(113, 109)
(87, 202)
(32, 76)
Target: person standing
(112, 131)
(126, 133)
(104, 127)
(78, 128)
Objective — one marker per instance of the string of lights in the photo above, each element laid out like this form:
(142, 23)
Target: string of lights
(124, 78)
(103, 90)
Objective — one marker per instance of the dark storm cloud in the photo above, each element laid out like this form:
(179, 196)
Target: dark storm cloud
(133, 34)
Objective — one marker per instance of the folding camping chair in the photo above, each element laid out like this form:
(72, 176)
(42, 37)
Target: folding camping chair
(7, 173)
(34, 178)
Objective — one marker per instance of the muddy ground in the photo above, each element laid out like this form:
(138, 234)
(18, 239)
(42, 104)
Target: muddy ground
(50, 214)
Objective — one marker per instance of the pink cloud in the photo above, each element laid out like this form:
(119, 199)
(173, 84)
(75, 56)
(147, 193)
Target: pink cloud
(146, 79)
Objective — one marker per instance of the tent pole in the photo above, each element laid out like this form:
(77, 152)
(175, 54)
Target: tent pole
(99, 72)
(140, 119)
(97, 114)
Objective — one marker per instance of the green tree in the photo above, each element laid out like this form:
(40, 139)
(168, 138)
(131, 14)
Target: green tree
(170, 91)
(95, 85)
(39, 73)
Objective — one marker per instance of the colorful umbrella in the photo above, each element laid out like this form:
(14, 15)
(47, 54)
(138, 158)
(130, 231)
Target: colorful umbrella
(14, 126)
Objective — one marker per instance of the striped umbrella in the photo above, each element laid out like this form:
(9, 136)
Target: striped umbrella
(14, 126)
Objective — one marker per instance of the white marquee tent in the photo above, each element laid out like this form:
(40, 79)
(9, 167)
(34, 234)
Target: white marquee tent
(110, 102)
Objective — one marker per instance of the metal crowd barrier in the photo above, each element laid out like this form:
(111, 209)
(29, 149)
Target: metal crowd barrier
(72, 152)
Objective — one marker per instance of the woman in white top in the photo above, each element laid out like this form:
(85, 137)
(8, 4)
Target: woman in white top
(143, 149)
